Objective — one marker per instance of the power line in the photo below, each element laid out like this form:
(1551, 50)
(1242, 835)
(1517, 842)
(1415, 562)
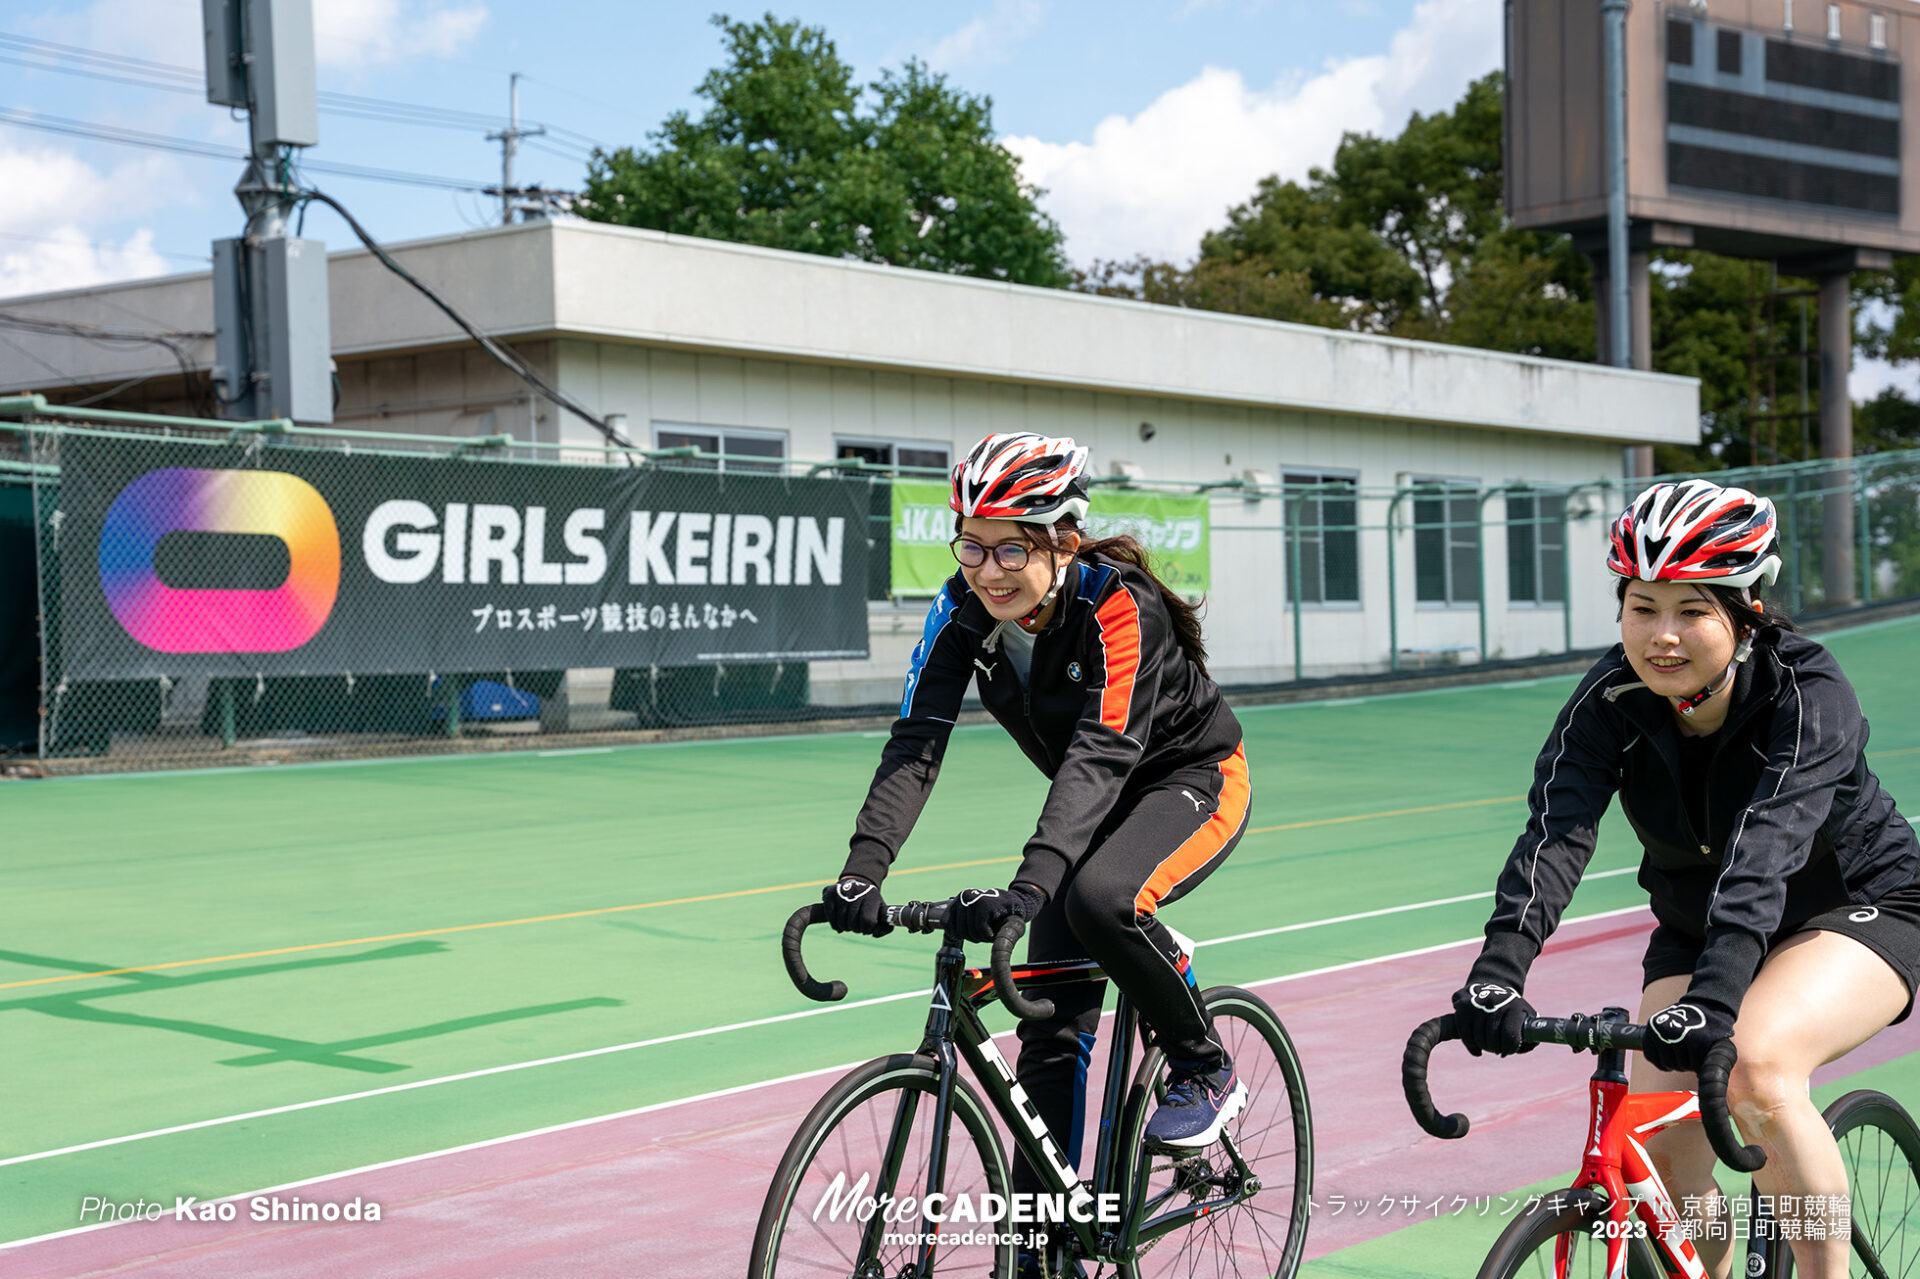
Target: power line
(210, 151)
(48, 55)
(91, 244)
(113, 133)
(507, 358)
(171, 339)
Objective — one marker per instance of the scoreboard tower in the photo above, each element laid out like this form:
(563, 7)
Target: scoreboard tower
(1765, 129)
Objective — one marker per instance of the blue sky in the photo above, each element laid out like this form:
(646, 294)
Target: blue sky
(1104, 102)
(1145, 120)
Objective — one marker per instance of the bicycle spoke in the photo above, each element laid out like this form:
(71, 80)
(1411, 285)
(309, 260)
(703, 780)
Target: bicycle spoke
(1266, 1140)
(886, 1151)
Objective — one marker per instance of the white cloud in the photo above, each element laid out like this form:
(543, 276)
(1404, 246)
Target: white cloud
(59, 200)
(48, 185)
(65, 257)
(989, 37)
(1155, 182)
(354, 33)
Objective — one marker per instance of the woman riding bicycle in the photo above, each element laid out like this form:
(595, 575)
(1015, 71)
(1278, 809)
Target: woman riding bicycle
(1097, 670)
(1782, 879)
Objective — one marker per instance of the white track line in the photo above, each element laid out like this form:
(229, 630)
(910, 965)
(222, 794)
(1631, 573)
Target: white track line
(793, 737)
(661, 1039)
(740, 1088)
(1389, 910)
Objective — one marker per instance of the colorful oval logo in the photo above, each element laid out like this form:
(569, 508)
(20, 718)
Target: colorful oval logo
(179, 499)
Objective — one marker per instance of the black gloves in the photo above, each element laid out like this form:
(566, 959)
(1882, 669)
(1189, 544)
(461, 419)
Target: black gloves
(854, 906)
(1683, 1032)
(979, 912)
(1489, 1015)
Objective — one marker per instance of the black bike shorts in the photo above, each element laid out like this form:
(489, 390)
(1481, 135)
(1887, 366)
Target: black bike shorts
(1890, 928)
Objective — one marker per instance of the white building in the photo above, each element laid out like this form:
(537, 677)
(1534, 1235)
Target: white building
(749, 350)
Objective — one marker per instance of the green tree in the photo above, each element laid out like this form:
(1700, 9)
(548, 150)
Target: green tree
(1408, 236)
(1405, 236)
(791, 153)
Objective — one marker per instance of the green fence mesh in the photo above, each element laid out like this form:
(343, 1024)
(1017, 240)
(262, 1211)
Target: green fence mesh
(160, 607)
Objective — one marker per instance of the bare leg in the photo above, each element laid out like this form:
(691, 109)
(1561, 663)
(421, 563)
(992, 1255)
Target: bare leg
(1816, 998)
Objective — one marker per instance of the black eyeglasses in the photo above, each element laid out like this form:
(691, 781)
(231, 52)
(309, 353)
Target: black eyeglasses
(1011, 556)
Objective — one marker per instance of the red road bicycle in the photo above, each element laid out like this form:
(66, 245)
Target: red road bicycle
(1617, 1219)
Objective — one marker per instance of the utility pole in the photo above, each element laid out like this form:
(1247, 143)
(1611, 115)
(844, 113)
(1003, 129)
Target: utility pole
(509, 140)
(273, 349)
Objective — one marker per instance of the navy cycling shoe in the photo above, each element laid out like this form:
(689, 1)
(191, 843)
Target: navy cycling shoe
(1198, 1106)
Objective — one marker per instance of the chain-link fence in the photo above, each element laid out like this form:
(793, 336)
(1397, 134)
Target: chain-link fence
(177, 591)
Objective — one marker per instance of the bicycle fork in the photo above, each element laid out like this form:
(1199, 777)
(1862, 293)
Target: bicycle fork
(1618, 1171)
(937, 1043)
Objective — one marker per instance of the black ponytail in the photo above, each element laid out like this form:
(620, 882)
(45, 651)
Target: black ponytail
(1186, 617)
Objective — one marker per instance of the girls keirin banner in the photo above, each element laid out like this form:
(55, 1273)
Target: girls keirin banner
(174, 557)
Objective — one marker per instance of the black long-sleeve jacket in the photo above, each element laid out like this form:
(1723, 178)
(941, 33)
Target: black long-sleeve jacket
(1796, 821)
(1111, 704)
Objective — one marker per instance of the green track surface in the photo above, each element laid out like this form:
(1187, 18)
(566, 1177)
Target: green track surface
(155, 869)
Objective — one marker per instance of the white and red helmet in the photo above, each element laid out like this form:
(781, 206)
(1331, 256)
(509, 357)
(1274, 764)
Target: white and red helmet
(1035, 479)
(1697, 531)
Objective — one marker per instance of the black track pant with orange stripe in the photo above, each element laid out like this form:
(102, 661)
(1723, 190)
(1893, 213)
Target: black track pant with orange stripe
(1153, 851)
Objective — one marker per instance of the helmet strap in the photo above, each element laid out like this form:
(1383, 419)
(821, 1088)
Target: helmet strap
(1059, 580)
(1688, 705)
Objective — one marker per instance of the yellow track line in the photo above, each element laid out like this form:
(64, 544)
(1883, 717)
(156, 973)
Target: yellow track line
(714, 897)
(1392, 812)
(468, 928)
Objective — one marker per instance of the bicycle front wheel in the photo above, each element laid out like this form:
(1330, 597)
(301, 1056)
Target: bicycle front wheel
(1880, 1147)
(838, 1202)
(1554, 1239)
(1262, 1233)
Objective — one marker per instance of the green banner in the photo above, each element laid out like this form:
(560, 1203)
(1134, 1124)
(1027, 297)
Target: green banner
(1174, 529)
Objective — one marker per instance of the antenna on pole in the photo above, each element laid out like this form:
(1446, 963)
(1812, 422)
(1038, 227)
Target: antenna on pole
(511, 197)
(273, 354)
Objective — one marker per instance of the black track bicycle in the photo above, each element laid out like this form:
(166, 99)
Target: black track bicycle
(889, 1175)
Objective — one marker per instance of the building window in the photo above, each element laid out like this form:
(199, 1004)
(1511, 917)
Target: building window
(1727, 53)
(897, 453)
(1536, 548)
(1327, 526)
(1787, 25)
(736, 445)
(1877, 30)
(1446, 542)
(1833, 22)
(1680, 42)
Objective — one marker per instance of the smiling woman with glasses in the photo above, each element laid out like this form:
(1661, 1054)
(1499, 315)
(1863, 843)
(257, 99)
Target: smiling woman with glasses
(1011, 556)
(1096, 668)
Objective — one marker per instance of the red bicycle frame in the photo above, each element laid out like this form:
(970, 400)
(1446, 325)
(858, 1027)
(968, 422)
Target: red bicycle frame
(1616, 1162)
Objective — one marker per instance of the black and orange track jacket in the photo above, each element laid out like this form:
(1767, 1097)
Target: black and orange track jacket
(1796, 821)
(1111, 705)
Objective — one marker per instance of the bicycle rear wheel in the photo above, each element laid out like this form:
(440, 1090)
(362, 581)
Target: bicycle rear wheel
(1530, 1247)
(1880, 1146)
(870, 1136)
(1262, 1235)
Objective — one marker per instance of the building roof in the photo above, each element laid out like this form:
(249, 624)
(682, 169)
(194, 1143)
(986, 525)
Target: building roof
(583, 280)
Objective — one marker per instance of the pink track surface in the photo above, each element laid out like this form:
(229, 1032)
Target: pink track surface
(674, 1193)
